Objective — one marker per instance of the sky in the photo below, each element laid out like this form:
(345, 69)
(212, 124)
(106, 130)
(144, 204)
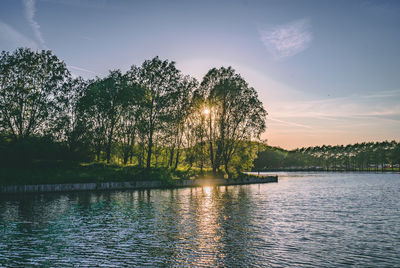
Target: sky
(327, 72)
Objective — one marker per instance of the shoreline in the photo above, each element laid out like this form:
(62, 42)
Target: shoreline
(327, 171)
(131, 185)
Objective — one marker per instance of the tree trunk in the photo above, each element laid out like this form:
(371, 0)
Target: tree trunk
(177, 158)
(212, 149)
(140, 155)
(156, 155)
(227, 170)
(171, 157)
(98, 154)
(108, 150)
(108, 153)
(149, 149)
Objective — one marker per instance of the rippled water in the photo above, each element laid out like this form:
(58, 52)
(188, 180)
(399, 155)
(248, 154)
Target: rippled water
(307, 219)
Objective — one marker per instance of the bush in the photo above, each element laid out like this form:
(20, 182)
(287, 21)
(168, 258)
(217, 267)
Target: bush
(37, 152)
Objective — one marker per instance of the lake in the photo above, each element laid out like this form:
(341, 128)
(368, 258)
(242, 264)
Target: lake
(307, 219)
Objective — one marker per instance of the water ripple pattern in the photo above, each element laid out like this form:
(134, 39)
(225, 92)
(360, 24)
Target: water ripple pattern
(305, 220)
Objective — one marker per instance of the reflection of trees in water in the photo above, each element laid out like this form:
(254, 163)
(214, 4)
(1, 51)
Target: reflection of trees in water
(235, 221)
(193, 226)
(33, 210)
(216, 227)
(168, 226)
(31, 227)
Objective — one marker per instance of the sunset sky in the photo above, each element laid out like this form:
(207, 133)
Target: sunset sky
(328, 72)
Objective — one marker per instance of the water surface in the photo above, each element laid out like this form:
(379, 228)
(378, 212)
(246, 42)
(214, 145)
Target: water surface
(307, 219)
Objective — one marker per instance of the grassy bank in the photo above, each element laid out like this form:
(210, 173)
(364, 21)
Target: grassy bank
(82, 173)
(95, 172)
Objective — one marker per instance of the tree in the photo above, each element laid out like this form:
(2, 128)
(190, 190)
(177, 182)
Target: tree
(235, 114)
(32, 92)
(180, 111)
(269, 158)
(195, 133)
(70, 128)
(104, 104)
(129, 122)
(160, 80)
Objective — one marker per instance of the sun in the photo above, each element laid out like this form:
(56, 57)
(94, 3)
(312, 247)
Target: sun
(206, 111)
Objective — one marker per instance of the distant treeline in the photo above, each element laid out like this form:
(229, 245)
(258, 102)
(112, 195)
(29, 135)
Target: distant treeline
(364, 156)
(150, 116)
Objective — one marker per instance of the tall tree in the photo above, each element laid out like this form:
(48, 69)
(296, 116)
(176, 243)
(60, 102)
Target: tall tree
(104, 103)
(235, 114)
(129, 121)
(160, 80)
(180, 111)
(70, 129)
(195, 132)
(32, 90)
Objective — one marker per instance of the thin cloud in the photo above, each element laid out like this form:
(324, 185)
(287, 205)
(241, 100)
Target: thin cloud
(96, 4)
(82, 69)
(289, 123)
(287, 40)
(30, 11)
(383, 94)
(14, 38)
(340, 109)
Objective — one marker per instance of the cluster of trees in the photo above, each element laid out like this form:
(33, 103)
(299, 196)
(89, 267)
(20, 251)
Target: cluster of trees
(152, 115)
(359, 156)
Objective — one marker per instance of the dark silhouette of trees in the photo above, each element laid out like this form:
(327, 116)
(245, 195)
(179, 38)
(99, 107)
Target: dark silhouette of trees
(70, 128)
(33, 92)
(353, 157)
(108, 107)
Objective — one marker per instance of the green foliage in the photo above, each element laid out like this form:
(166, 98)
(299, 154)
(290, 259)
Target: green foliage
(243, 159)
(94, 172)
(33, 92)
(160, 79)
(39, 152)
(152, 116)
(235, 115)
(271, 158)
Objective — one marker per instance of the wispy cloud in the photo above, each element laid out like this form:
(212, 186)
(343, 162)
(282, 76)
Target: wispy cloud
(384, 94)
(287, 40)
(97, 4)
(287, 123)
(30, 11)
(338, 112)
(13, 38)
(82, 69)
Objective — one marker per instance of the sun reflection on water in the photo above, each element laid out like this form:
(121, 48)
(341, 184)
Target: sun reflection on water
(207, 190)
(208, 227)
